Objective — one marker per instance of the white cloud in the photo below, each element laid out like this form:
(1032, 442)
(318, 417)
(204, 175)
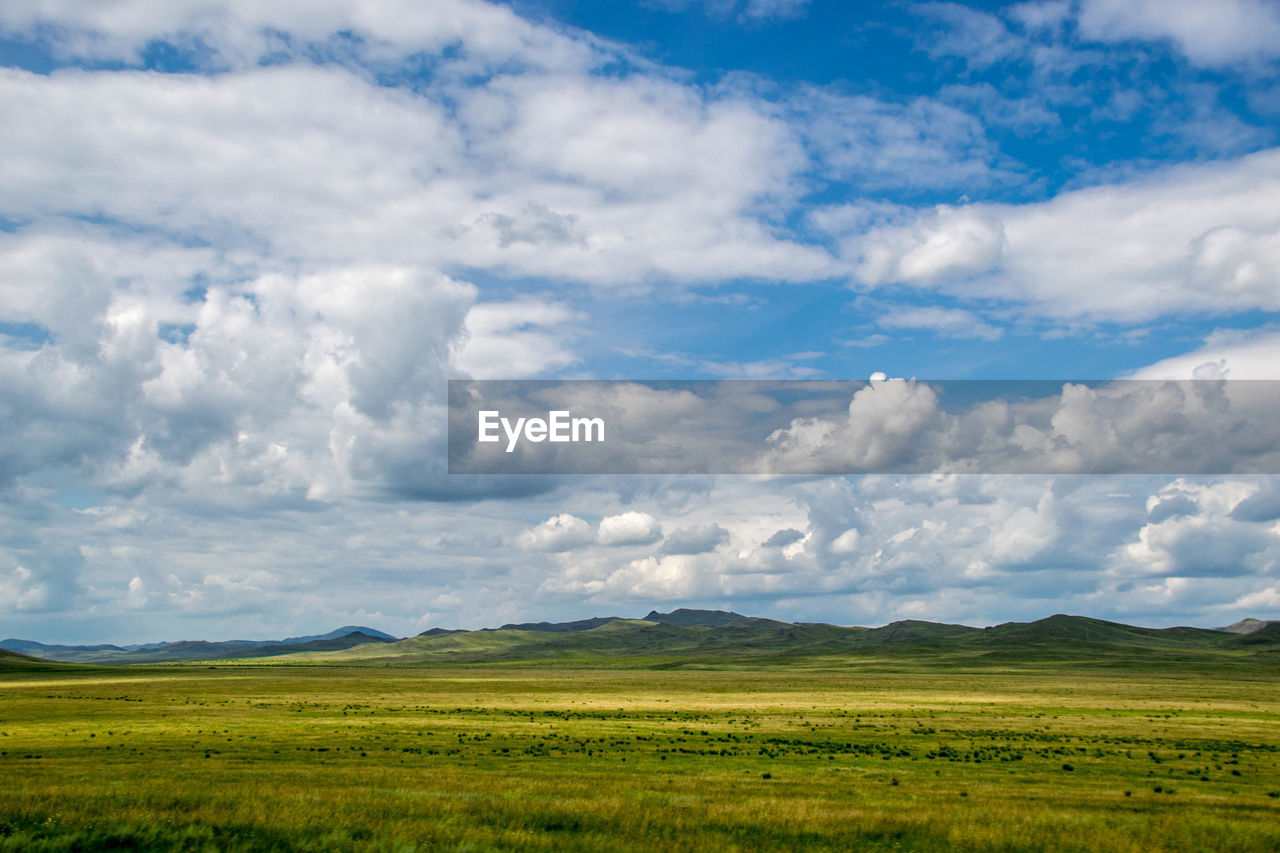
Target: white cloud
(847, 542)
(783, 538)
(887, 424)
(984, 40)
(948, 322)
(647, 579)
(1139, 427)
(1193, 238)
(254, 307)
(1041, 14)
(947, 243)
(241, 32)
(1024, 115)
(562, 532)
(1230, 355)
(280, 384)
(20, 591)
(695, 539)
(136, 597)
(629, 528)
(920, 144)
(42, 577)
(744, 11)
(1263, 601)
(1205, 540)
(511, 340)
(611, 182)
(1218, 33)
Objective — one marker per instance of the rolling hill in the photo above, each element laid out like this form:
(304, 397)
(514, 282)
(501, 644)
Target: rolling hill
(184, 650)
(1248, 626)
(15, 662)
(716, 637)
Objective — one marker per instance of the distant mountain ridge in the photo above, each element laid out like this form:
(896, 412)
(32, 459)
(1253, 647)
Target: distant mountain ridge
(681, 616)
(714, 637)
(339, 638)
(1248, 625)
(691, 635)
(336, 633)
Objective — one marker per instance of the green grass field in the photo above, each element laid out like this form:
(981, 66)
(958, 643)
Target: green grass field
(821, 756)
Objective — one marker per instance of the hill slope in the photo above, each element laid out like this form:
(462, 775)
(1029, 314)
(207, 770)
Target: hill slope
(15, 662)
(185, 650)
(717, 637)
(720, 637)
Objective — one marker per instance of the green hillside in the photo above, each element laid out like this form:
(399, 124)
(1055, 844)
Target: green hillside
(187, 650)
(718, 638)
(14, 662)
(644, 642)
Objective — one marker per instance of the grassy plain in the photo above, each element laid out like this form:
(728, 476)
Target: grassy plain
(867, 755)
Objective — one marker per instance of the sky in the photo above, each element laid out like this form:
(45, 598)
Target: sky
(243, 247)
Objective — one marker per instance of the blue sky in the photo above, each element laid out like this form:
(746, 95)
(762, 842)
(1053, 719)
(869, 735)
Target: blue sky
(243, 249)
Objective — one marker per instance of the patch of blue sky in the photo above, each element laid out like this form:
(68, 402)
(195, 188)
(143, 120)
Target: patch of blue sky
(29, 54)
(831, 41)
(760, 329)
(197, 291)
(24, 336)
(176, 333)
(807, 331)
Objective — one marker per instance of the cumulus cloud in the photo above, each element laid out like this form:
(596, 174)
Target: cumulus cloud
(511, 340)
(1262, 505)
(887, 425)
(1219, 33)
(190, 325)
(283, 383)
(1227, 355)
(783, 538)
(41, 579)
(602, 181)
(629, 528)
(22, 591)
(1136, 427)
(1193, 238)
(877, 548)
(646, 579)
(562, 532)
(1206, 540)
(948, 243)
(847, 542)
(236, 33)
(695, 539)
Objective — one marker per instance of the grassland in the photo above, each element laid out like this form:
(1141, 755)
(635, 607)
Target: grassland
(872, 754)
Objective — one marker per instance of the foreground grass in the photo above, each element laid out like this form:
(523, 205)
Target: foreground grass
(351, 758)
